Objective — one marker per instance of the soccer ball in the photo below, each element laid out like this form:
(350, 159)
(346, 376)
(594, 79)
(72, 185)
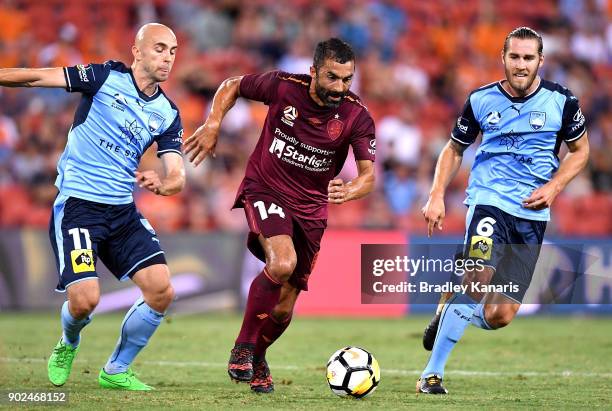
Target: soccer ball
(352, 371)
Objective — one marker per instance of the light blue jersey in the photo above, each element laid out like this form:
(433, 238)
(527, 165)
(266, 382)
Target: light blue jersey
(521, 137)
(113, 126)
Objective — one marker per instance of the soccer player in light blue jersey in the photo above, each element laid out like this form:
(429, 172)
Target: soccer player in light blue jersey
(121, 113)
(514, 180)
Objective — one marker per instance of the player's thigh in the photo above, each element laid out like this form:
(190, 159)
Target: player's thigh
(487, 233)
(133, 244)
(271, 231)
(307, 236)
(77, 230)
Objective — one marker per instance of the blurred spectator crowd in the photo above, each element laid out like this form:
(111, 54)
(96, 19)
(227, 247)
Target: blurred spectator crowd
(417, 61)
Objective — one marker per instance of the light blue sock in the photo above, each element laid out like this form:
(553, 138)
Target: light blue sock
(72, 327)
(455, 318)
(478, 318)
(138, 326)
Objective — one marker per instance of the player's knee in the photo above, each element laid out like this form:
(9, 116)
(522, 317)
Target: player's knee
(83, 305)
(282, 269)
(498, 317)
(163, 298)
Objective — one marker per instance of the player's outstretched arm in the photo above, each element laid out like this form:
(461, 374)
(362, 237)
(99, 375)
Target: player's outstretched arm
(339, 192)
(173, 181)
(32, 77)
(573, 162)
(447, 166)
(203, 142)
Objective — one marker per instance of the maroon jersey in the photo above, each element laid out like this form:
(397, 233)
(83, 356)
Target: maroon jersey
(303, 145)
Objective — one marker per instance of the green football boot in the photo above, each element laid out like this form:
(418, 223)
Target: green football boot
(60, 363)
(122, 381)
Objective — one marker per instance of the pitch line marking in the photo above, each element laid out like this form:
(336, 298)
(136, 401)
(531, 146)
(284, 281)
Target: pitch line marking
(391, 371)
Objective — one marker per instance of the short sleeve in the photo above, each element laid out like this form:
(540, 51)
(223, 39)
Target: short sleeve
(363, 139)
(260, 87)
(86, 79)
(170, 141)
(573, 123)
(467, 128)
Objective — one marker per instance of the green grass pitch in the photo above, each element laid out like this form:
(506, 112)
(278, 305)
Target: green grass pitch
(536, 363)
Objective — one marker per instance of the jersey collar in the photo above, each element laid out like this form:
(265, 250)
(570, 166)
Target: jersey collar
(518, 99)
(140, 93)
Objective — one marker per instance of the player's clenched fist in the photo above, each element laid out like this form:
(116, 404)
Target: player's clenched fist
(202, 143)
(434, 214)
(337, 191)
(149, 180)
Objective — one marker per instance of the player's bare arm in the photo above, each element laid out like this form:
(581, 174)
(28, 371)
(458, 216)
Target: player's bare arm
(203, 142)
(574, 161)
(447, 166)
(174, 179)
(32, 77)
(339, 192)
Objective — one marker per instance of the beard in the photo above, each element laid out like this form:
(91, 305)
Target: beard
(326, 96)
(518, 85)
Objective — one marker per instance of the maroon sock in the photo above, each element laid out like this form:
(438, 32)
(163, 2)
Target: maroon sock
(269, 332)
(263, 296)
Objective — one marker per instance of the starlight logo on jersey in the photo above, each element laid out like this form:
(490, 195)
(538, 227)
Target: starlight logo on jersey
(290, 114)
(537, 119)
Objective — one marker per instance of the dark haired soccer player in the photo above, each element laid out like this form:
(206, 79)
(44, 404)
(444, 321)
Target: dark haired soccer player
(515, 178)
(122, 112)
(312, 120)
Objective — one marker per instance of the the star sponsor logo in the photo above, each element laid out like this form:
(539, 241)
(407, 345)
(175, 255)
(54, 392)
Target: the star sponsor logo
(131, 131)
(511, 140)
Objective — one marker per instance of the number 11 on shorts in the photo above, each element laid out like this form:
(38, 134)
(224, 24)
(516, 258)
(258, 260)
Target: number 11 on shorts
(273, 209)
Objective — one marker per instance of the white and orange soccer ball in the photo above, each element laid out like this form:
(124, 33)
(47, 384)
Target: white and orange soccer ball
(353, 371)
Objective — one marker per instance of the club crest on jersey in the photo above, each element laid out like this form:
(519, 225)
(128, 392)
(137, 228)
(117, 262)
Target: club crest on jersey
(155, 122)
(290, 114)
(537, 119)
(334, 128)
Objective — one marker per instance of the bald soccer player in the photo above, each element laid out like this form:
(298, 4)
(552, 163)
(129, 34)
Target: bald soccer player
(121, 113)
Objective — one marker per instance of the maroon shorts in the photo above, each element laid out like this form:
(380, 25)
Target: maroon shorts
(266, 215)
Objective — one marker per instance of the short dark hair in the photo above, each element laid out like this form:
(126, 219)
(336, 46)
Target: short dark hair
(524, 33)
(332, 48)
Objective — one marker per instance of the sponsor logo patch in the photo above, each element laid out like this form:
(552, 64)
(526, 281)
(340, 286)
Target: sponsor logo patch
(481, 247)
(82, 261)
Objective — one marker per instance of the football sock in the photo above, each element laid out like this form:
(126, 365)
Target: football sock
(270, 331)
(478, 318)
(72, 327)
(455, 318)
(263, 296)
(138, 326)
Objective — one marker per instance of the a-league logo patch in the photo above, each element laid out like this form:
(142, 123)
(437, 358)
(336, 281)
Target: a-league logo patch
(537, 119)
(481, 247)
(334, 128)
(82, 261)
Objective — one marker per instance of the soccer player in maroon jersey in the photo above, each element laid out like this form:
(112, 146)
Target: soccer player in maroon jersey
(312, 120)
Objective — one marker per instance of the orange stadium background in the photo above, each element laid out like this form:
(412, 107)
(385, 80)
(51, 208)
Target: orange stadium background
(415, 66)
